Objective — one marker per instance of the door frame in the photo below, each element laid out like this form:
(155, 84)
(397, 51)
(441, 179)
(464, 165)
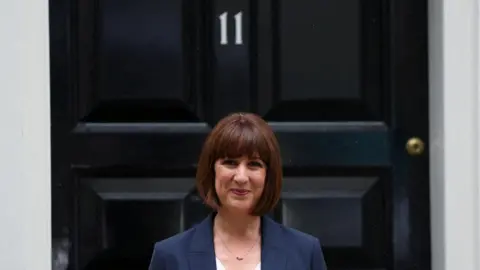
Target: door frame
(454, 28)
(454, 40)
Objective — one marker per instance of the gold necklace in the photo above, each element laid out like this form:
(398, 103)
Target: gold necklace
(237, 257)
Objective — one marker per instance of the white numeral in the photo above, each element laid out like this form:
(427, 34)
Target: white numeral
(238, 28)
(223, 29)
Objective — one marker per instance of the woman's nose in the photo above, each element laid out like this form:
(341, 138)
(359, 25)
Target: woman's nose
(241, 174)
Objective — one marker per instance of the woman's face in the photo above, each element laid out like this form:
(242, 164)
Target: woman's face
(239, 182)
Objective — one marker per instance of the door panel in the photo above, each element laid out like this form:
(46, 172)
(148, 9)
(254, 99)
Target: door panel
(313, 54)
(324, 68)
(140, 63)
(347, 213)
(137, 86)
(123, 215)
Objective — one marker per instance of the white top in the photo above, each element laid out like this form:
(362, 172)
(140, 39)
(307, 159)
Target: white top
(221, 267)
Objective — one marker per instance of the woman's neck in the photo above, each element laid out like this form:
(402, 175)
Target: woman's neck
(237, 225)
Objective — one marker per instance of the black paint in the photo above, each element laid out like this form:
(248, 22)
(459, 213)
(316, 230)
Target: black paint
(137, 85)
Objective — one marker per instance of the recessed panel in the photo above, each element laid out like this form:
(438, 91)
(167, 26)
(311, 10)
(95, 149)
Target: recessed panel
(141, 49)
(326, 219)
(121, 218)
(326, 61)
(133, 225)
(141, 62)
(346, 213)
(319, 61)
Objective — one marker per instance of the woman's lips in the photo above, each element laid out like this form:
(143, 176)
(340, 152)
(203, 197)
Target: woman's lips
(239, 192)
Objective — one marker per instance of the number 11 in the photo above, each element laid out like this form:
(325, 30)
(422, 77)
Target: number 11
(238, 28)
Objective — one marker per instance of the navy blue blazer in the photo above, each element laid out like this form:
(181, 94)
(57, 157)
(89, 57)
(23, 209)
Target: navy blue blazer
(282, 249)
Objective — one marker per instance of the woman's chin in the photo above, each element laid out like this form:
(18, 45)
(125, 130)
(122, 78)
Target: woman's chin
(239, 206)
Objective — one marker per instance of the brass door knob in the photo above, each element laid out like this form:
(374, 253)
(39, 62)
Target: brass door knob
(415, 146)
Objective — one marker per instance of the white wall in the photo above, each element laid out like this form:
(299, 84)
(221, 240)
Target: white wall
(25, 139)
(455, 133)
(24, 136)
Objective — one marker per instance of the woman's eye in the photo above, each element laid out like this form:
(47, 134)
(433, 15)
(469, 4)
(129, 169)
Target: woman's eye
(229, 162)
(256, 164)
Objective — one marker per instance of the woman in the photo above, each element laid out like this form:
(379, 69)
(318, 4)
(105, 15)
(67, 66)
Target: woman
(240, 176)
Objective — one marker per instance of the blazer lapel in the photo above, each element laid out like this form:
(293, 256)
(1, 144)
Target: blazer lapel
(201, 254)
(273, 257)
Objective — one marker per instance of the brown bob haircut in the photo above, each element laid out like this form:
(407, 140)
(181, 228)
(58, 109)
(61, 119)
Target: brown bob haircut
(237, 135)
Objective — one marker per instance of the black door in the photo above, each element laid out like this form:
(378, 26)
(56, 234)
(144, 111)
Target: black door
(137, 85)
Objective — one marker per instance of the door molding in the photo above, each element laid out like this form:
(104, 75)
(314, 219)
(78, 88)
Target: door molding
(454, 129)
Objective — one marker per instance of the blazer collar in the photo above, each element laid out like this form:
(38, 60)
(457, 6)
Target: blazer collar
(202, 254)
(202, 239)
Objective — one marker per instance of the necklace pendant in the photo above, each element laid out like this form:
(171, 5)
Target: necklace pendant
(238, 258)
